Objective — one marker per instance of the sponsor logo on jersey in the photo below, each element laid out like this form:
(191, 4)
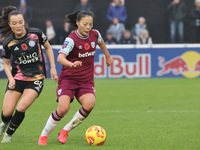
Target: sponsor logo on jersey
(16, 48)
(87, 54)
(93, 44)
(65, 44)
(24, 46)
(31, 43)
(30, 58)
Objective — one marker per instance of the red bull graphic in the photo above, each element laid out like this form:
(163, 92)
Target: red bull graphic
(120, 68)
(176, 65)
(197, 66)
(188, 64)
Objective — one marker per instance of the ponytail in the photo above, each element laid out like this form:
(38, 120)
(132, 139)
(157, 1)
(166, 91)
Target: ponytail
(5, 18)
(71, 18)
(77, 15)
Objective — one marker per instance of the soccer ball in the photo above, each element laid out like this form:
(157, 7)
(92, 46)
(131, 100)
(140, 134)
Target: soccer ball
(95, 135)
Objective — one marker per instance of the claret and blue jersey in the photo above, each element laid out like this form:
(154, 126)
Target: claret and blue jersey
(80, 48)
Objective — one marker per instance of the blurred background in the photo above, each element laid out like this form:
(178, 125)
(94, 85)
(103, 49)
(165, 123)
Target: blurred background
(154, 11)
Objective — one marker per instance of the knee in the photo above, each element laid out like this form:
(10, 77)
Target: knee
(7, 112)
(89, 104)
(21, 109)
(62, 110)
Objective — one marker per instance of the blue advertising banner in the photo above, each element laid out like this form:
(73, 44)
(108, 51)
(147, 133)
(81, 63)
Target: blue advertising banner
(157, 61)
(150, 62)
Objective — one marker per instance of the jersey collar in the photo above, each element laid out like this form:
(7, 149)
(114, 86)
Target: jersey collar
(81, 36)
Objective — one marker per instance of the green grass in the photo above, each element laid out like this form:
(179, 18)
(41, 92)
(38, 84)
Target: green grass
(137, 114)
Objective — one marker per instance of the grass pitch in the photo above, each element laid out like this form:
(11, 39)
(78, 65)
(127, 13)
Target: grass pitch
(137, 114)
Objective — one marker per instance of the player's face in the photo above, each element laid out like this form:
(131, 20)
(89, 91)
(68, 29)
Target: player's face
(85, 25)
(16, 24)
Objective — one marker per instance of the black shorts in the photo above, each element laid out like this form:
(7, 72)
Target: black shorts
(21, 85)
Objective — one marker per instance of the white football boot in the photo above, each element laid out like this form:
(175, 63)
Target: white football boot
(7, 138)
(2, 128)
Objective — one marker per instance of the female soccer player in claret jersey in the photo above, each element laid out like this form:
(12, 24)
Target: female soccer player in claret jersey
(77, 75)
(28, 68)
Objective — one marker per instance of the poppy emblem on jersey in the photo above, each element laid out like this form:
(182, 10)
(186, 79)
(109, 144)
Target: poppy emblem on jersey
(65, 44)
(31, 43)
(24, 46)
(93, 44)
(87, 46)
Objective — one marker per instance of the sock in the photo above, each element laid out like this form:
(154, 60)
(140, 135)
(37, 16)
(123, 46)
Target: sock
(53, 120)
(77, 119)
(15, 122)
(5, 120)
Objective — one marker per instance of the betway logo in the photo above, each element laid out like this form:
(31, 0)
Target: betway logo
(87, 54)
(120, 68)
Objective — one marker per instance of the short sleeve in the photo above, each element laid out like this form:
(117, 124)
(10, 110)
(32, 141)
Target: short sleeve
(43, 38)
(5, 53)
(99, 37)
(67, 47)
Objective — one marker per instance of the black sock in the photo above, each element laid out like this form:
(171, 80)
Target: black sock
(5, 119)
(15, 122)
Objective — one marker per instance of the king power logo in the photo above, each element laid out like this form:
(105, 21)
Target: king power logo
(139, 69)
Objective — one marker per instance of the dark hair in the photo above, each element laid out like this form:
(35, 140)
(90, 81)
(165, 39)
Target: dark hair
(5, 18)
(77, 15)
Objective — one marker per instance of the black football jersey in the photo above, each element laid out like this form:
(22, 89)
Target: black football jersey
(28, 60)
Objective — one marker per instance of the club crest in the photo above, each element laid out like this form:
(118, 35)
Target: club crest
(93, 44)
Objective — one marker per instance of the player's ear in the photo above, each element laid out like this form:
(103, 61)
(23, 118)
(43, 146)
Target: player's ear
(77, 22)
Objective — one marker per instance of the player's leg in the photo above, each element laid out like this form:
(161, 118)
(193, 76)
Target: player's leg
(87, 101)
(54, 118)
(29, 96)
(10, 101)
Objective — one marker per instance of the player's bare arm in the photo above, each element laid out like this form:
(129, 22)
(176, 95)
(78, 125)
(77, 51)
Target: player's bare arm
(63, 61)
(50, 55)
(8, 73)
(109, 59)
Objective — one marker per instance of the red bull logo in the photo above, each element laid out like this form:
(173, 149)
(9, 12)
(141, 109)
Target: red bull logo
(188, 64)
(121, 68)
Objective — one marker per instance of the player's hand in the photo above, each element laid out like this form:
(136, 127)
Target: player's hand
(76, 64)
(53, 73)
(109, 60)
(11, 83)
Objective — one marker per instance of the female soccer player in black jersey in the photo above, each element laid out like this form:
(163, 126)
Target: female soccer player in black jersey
(28, 68)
